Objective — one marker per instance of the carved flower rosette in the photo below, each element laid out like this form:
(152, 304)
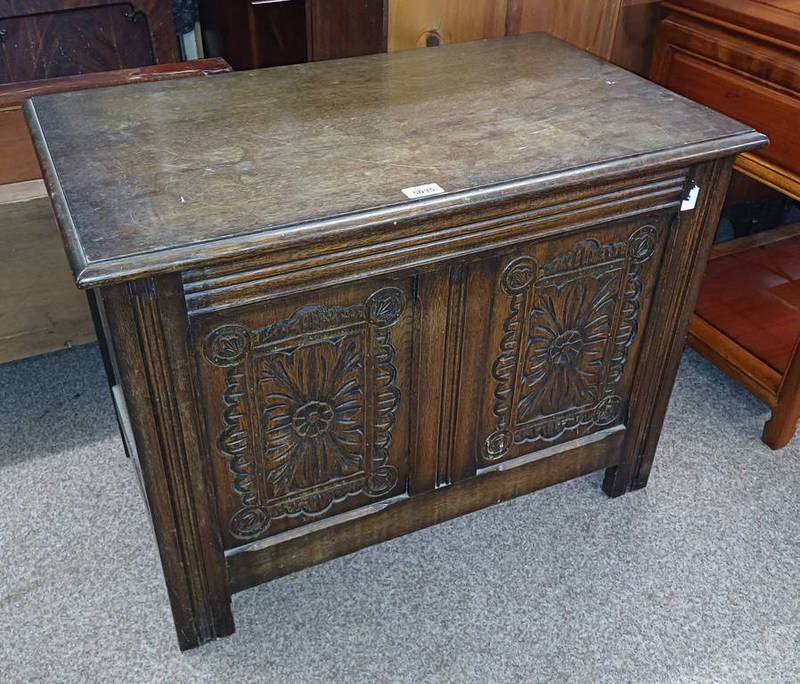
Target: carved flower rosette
(309, 409)
(565, 342)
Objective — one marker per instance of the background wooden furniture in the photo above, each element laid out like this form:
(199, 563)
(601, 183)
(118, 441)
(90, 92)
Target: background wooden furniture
(742, 57)
(620, 31)
(45, 45)
(40, 310)
(251, 35)
(306, 361)
(51, 38)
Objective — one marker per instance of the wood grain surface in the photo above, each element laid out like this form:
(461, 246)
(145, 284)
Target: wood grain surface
(157, 177)
(775, 20)
(621, 31)
(587, 24)
(422, 23)
(57, 38)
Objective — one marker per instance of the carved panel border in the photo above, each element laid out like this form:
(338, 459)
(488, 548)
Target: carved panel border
(309, 408)
(565, 340)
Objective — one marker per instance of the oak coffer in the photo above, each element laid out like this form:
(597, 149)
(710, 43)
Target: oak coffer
(342, 301)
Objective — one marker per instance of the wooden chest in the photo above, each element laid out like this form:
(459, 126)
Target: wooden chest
(370, 295)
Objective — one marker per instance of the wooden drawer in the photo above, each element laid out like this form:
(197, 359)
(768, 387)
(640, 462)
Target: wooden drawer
(739, 71)
(712, 75)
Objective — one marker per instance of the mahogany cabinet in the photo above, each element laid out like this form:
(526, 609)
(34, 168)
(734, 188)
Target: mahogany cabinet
(742, 58)
(52, 38)
(382, 292)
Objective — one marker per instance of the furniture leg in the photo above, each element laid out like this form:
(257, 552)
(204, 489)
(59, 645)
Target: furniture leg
(145, 319)
(780, 428)
(617, 480)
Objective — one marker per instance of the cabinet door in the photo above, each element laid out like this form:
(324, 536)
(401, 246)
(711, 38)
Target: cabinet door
(558, 339)
(306, 405)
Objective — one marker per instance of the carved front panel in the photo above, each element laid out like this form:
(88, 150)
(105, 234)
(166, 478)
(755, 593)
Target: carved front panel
(308, 411)
(570, 315)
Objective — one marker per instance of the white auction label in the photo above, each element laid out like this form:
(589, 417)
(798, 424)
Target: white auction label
(691, 201)
(423, 190)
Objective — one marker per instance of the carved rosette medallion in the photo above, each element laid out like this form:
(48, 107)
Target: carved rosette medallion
(565, 340)
(308, 409)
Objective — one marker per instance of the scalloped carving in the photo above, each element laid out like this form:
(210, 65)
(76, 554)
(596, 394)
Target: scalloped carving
(324, 415)
(565, 340)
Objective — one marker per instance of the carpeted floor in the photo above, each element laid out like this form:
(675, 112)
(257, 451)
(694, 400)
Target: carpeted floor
(696, 578)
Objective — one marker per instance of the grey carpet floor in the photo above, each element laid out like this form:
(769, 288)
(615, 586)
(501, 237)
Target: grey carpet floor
(694, 579)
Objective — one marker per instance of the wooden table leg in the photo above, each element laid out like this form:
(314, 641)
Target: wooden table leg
(780, 428)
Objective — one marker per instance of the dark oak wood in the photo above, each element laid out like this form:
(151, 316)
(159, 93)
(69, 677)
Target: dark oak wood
(18, 163)
(285, 199)
(40, 311)
(311, 362)
(742, 58)
(156, 371)
(288, 553)
(52, 38)
(685, 257)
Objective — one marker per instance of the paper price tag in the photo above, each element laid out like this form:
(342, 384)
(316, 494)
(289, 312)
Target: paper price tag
(423, 190)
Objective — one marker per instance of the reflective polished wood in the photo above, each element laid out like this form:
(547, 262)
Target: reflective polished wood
(742, 58)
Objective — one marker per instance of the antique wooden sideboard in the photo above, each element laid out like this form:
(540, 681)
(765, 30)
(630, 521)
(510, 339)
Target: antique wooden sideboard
(381, 292)
(742, 58)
